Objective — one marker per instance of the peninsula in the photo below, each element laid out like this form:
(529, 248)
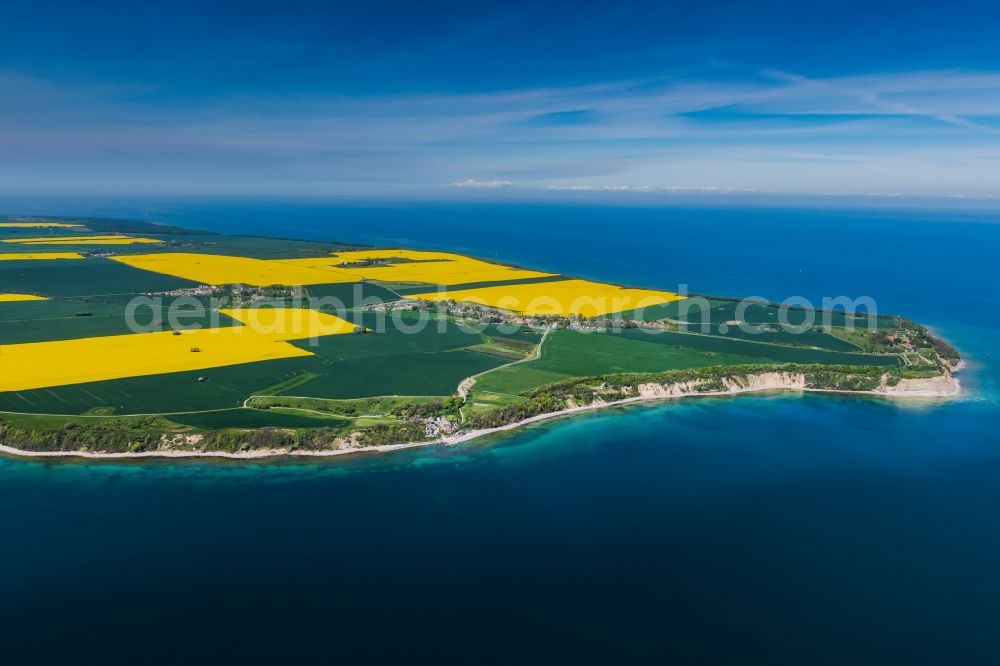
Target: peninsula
(129, 339)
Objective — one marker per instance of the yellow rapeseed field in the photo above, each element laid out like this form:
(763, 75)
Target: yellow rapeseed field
(35, 256)
(427, 267)
(263, 337)
(116, 239)
(43, 364)
(37, 225)
(219, 269)
(562, 298)
(12, 298)
(289, 323)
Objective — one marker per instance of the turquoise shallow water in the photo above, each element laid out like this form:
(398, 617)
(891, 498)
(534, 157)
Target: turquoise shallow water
(778, 528)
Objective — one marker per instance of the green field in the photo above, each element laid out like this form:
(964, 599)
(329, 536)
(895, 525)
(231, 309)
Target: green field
(418, 373)
(176, 392)
(572, 354)
(81, 317)
(398, 334)
(350, 294)
(92, 276)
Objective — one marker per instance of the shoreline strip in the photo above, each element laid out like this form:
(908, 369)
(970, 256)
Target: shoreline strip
(261, 454)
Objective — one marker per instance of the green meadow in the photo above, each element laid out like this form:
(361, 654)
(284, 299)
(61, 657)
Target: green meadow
(258, 418)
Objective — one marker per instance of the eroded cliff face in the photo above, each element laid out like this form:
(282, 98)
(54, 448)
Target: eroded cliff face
(765, 381)
(652, 390)
(942, 386)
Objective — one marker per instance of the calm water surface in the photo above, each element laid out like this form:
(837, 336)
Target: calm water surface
(771, 528)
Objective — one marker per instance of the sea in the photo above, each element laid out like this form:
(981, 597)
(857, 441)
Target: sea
(777, 529)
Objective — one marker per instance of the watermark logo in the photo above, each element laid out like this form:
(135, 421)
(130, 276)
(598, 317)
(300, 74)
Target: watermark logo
(278, 311)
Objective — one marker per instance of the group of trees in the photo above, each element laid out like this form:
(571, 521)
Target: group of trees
(135, 435)
(391, 433)
(540, 404)
(922, 339)
(418, 410)
(916, 335)
(113, 436)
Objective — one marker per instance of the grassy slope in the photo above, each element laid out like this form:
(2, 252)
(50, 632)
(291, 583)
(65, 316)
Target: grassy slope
(353, 408)
(258, 418)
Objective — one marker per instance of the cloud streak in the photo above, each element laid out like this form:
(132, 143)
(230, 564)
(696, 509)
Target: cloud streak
(927, 132)
(668, 189)
(483, 184)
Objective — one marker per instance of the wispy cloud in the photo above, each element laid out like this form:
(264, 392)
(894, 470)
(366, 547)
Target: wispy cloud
(483, 184)
(906, 96)
(600, 188)
(667, 189)
(929, 132)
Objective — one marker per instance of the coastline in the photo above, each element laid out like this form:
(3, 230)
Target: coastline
(943, 387)
(255, 454)
(921, 393)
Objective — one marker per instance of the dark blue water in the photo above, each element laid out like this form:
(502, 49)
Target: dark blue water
(777, 529)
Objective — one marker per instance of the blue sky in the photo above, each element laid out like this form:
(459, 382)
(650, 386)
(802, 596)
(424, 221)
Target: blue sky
(467, 99)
